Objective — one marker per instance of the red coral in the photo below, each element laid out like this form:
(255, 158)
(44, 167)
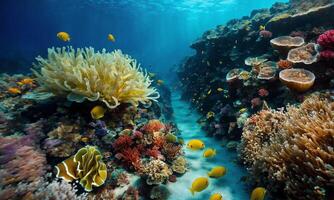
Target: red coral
(130, 157)
(263, 92)
(153, 125)
(122, 142)
(326, 40)
(154, 152)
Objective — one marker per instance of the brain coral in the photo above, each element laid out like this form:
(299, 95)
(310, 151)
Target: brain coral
(81, 74)
(292, 151)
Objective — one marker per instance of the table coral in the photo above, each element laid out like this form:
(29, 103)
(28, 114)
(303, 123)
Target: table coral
(81, 74)
(293, 150)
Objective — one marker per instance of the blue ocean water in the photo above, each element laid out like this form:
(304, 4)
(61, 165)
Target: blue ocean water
(155, 32)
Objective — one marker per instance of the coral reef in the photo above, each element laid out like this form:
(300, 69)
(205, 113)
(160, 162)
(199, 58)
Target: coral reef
(114, 78)
(306, 54)
(297, 79)
(291, 150)
(85, 165)
(156, 171)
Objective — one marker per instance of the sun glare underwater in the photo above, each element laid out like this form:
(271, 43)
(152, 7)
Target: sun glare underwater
(167, 100)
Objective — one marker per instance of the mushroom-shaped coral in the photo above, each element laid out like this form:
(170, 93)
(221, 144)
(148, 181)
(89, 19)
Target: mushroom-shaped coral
(297, 79)
(81, 74)
(267, 71)
(156, 172)
(306, 54)
(233, 75)
(86, 165)
(284, 43)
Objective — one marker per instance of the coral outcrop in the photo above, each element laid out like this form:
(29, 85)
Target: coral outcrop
(157, 172)
(81, 74)
(292, 150)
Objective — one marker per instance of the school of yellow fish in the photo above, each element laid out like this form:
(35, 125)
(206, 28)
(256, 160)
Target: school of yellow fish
(201, 183)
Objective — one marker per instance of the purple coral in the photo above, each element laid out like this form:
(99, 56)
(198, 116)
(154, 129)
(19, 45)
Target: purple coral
(326, 40)
(100, 128)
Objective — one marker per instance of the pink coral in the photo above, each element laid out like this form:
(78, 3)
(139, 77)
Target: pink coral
(263, 92)
(256, 102)
(266, 34)
(327, 55)
(326, 40)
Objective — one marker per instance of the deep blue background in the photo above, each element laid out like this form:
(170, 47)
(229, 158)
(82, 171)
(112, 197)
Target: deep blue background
(158, 35)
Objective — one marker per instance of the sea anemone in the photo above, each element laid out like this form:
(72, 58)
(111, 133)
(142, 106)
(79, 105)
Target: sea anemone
(81, 74)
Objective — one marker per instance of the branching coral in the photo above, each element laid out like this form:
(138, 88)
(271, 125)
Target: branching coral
(156, 172)
(112, 78)
(295, 150)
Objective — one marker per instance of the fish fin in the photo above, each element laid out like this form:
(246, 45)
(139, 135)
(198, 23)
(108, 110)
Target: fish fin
(192, 191)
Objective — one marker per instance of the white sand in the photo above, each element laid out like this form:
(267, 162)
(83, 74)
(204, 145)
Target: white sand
(229, 186)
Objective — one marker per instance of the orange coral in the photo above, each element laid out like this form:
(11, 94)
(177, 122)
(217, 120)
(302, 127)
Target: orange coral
(153, 125)
(284, 64)
(293, 150)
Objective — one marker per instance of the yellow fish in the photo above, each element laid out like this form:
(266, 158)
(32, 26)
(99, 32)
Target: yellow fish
(64, 36)
(160, 82)
(199, 184)
(262, 27)
(84, 139)
(27, 81)
(111, 38)
(209, 92)
(210, 114)
(195, 144)
(258, 193)
(217, 172)
(97, 112)
(209, 153)
(14, 90)
(220, 89)
(242, 110)
(216, 196)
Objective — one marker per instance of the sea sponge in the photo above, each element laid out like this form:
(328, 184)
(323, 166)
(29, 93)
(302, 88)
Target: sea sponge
(86, 165)
(81, 74)
(306, 54)
(156, 172)
(179, 165)
(299, 80)
(284, 43)
(293, 151)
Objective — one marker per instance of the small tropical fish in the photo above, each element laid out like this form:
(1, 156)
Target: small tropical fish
(160, 82)
(262, 27)
(195, 144)
(217, 172)
(26, 81)
(111, 38)
(209, 92)
(14, 90)
(220, 89)
(209, 153)
(97, 112)
(258, 193)
(84, 139)
(64, 36)
(210, 114)
(242, 110)
(199, 184)
(216, 196)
